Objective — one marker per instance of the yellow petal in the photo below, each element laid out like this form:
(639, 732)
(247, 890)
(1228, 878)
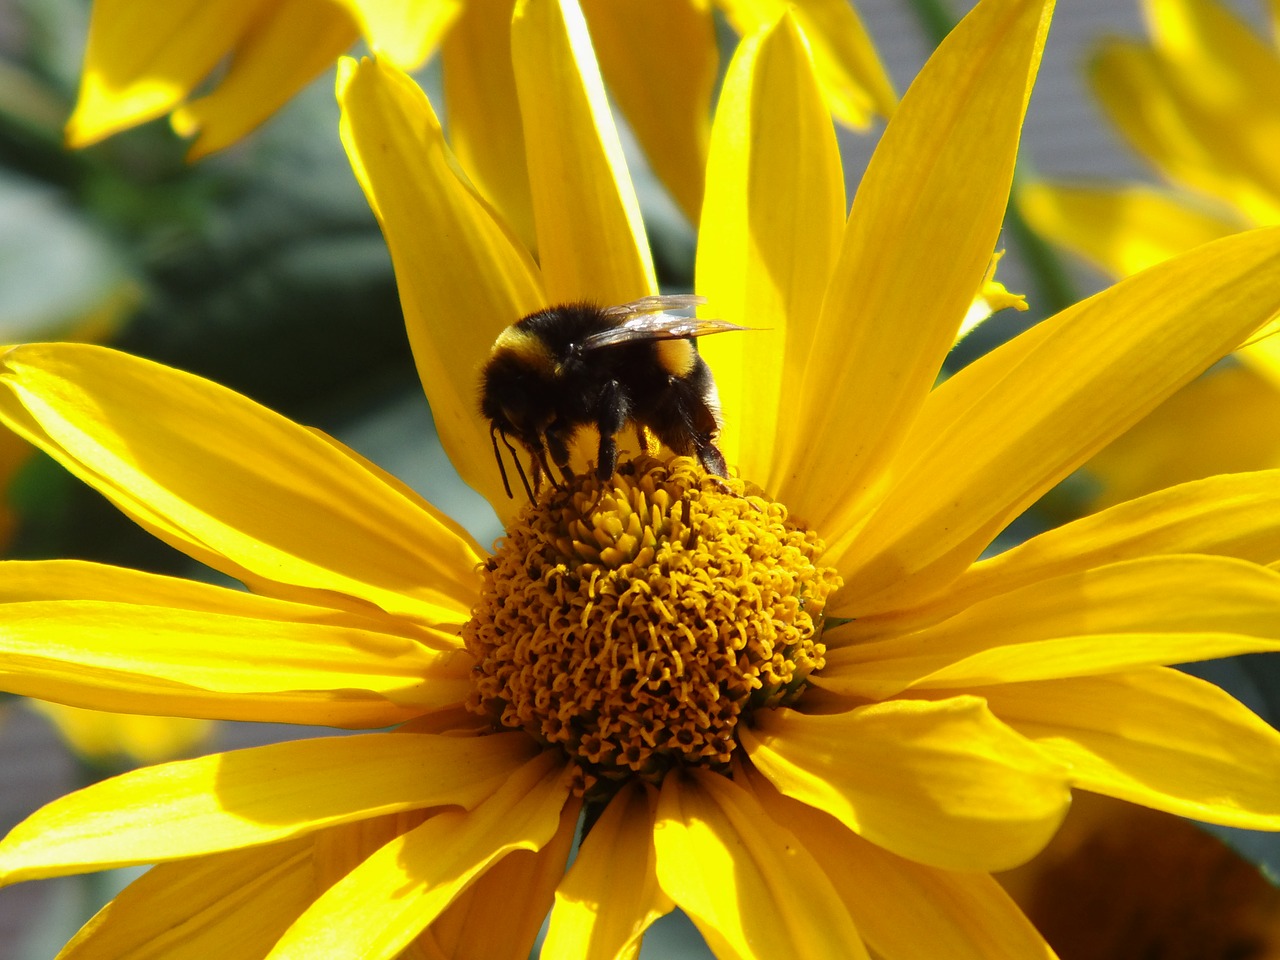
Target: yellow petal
(1234, 516)
(483, 922)
(915, 251)
(236, 486)
(1196, 137)
(255, 796)
(591, 241)
(997, 435)
(463, 277)
(144, 56)
(1154, 610)
(286, 48)
(110, 738)
(853, 78)
(134, 658)
(666, 97)
(744, 880)
(905, 909)
(231, 905)
(770, 229)
(943, 783)
(484, 112)
(405, 31)
(1222, 422)
(1155, 737)
(611, 894)
(1120, 229)
(376, 909)
(1217, 66)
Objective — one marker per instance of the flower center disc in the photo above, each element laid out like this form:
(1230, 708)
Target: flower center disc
(634, 622)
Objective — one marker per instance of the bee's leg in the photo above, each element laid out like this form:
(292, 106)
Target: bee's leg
(648, 445)
(614, 414)
(558, 447)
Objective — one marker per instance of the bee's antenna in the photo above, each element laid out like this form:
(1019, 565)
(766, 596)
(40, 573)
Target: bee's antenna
(497, 455)
(519, 469)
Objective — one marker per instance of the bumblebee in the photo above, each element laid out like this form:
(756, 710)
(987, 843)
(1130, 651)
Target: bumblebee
(579, 364)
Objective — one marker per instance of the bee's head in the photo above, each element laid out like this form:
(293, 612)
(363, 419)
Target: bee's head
(517, 396)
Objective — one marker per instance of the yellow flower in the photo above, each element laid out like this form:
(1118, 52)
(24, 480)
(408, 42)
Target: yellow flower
(950, 703)
(148, 58)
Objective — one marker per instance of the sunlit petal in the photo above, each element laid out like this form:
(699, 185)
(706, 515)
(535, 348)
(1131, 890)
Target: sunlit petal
(236, 485)
(405, 31)
(943, 783)
(231, 905)
(937, 182)
(1155, 737)
(764, 254)
(904, 909)
(376, 909)
(591, 241)
(255, 796)
(1006, 428)
(461, 282)
(748, 885)
(611, 894)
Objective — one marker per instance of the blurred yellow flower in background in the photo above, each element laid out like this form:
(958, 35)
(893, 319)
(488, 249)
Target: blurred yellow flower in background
(1197, 101)
(866, 726)
(148, 58)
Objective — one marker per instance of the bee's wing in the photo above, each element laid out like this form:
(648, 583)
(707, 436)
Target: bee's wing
(655, 304)
(661, 326)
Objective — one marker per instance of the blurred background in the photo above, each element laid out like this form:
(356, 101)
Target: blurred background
(262, 267)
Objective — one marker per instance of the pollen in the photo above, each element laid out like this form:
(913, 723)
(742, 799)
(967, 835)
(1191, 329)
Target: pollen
(635, 622)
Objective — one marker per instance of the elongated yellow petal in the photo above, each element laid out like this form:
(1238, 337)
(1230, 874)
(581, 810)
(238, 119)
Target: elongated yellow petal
(133, 658)
(235, 485)
(764, 253)
(271, 65)
(1155, 737)
(255, 796)
(915, 252)
(462, 275)
(484, 922)
(611, 894)
(145, 56)
(377, 908)
(659, 59)
(854, 80)
(231, 905)
(1236, 515)
(405, 31)
(1121, 229)
(1154, 610)
(591, 241)
(943, 783)
(1009, 426)
(904, 909)
(484, 112)
(746, 882)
